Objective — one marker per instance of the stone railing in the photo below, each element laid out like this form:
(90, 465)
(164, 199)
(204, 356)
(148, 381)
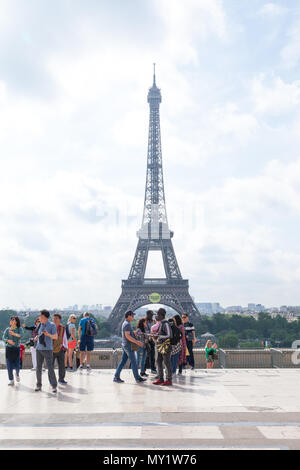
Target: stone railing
(227, 359)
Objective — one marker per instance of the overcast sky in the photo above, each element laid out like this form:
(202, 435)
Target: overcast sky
(74, 78)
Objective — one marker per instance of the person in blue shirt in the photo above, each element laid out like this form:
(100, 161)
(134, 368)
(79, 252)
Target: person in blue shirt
(12, 337)
(86, 332)
(46, 334)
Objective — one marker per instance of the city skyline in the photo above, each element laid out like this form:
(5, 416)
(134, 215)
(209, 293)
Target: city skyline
(74, 126)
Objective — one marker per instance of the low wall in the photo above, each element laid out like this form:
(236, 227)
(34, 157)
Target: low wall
(229, 358)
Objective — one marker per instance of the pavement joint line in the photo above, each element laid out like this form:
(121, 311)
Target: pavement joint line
(146, 423)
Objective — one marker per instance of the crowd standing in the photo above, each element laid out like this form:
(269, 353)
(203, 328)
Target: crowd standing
(162, 345)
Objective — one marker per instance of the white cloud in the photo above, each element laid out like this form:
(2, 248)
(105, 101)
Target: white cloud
(274, 95)
(272, 10)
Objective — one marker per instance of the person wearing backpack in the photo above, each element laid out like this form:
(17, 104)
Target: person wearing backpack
(86, 332)
(164, 349)
(176, 344)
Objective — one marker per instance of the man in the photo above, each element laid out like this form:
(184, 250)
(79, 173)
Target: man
(127, 340)
(86, 332)
(60, 346)
(164, 334)
(46, 334)
(150, 361)
(190, 337)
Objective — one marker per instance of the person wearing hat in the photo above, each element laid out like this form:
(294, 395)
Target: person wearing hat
(164, 349)
(128, 340)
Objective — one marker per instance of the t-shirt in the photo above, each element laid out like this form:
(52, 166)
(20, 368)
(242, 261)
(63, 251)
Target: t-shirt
(71, 326)
(16, 340)
(126, 327)
(51, 329)
(188, 329)
(83, 323)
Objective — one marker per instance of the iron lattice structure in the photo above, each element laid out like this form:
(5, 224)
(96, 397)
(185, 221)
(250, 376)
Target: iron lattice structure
(154, 235)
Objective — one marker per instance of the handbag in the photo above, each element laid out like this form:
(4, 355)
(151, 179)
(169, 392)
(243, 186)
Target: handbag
(164, 348)
(134, 347)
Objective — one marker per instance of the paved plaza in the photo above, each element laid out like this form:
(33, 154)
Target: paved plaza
(248, 409)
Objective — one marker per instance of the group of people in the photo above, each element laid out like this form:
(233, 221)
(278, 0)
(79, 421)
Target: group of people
(162, 345)
(159, 344)
(50, 341)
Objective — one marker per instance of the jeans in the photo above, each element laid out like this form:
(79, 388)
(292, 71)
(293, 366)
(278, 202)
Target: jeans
(60, 357)
(190, 358)
(166, 358)
(141, 358)
(128, 354)
(46, 354)
(174, 361)
(11, 365)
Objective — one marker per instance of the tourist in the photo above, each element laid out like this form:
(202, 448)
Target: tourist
(142, 351)
(32, 343)
(163, 346)
(86, 332)
(210, 353)
(12, 337)
(129, 345)
(182, 355)
(150, 360)
(72, 342)
(46, 334)
(179, 358)
(190, 339)
(22, 352)
(60, 346)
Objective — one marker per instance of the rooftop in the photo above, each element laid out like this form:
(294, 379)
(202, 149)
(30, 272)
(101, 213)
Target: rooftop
(231, 408)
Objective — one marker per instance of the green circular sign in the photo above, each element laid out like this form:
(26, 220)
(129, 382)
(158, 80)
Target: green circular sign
(155, 298)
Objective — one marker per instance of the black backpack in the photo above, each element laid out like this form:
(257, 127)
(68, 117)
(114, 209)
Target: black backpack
(176, 334)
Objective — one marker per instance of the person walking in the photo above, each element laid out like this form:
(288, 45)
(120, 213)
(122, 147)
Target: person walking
(163, 345)
(12, 338)
(190, 339)
(210, 352)
(177, 343)
(60, 346)
(46, 334)
(72, 342)
(150, 360)
(129, 345)
(86, 332)
(142, 351)
(32, 343)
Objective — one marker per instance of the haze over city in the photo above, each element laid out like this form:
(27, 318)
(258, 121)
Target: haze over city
(74, 123)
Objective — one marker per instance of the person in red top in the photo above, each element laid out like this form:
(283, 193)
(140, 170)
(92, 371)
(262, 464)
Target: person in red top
(22, 351)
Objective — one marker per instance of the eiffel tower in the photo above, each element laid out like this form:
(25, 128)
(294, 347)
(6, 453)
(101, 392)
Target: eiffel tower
(155, 235)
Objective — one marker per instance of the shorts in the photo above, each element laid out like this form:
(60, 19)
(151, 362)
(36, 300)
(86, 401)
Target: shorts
(72, 344)
(210, 359)
(86, 343)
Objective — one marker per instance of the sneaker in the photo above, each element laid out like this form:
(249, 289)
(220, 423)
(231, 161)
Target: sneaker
(88, 367)
(167, 382)
(153, 371)
(143, 374)
(54, 390)
(117, 380)
(11, 383)
(37, 389)
(63, 382)
(158, 382)
(17, 378)
(81, 367)
(33, 368)
(140, 380)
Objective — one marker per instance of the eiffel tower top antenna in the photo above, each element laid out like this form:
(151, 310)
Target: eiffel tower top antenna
(154, 81)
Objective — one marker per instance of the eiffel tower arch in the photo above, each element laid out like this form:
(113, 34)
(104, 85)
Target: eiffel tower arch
(154, 235)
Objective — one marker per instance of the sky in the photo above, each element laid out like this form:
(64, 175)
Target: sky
(74, 78)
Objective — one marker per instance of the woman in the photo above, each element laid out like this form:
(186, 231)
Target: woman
(32, 344)
(72, 342)
(210, 351)
(12, 337)
(141, 353)
(176, 348)
(182, 355)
